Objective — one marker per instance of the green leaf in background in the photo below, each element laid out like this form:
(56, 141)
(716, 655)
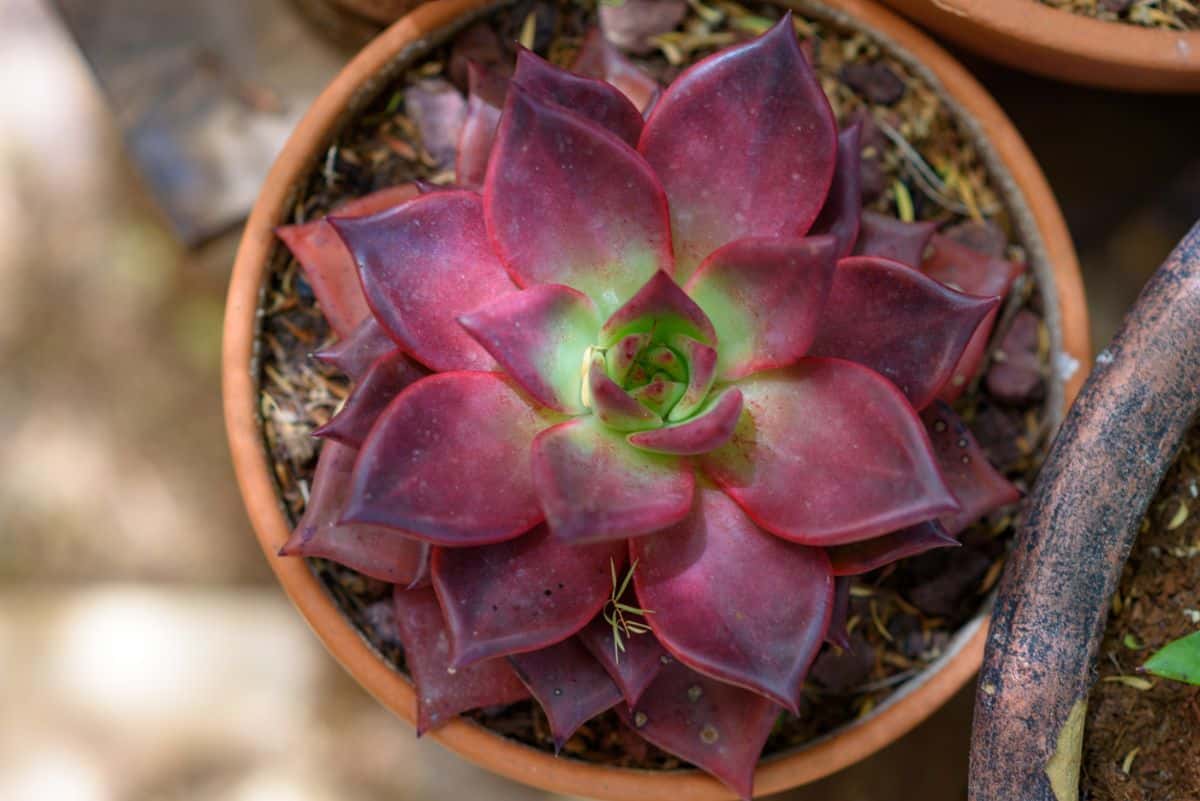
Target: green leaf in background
(1179, 660)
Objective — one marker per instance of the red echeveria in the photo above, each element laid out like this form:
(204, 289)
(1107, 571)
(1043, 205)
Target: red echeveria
(639, 394)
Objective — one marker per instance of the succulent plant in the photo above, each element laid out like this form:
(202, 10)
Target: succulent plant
(637, 397)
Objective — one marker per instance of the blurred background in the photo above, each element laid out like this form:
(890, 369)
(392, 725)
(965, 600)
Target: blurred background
(146, 654)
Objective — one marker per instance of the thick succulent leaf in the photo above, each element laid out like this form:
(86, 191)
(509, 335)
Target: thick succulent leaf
(634, 665)
(438, 109)
(520, 595)
(593, 486)
(424, 264)
(540, 336)
(619, 358)
(449, 462)
(702, 372)
(598, 101)
(327, 264)
(843, 205)
(708, 580)
(488, 88)
(717, 727)
(615, 407)
(729, 172)
(856, 558)
(978, 487)
(829, 452)
(659, 394)
(599, 58)
(571, 686)
(708, 430)
(381, 553)
(568, 202)
(976, 273)
(443, 693)
(660, 306)
(889, 238)
(838, 633)
(355, 354)
(900, 323)
(765, 297)
(383, 381)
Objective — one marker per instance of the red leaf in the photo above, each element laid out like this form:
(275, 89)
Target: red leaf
(570, 685)
(424, 264)
(449, 462)
(707, 431)
(593, 485)
(708, 581)
(829, 452)
(355, 354)
(889, 238)
(599, 58)
(520, 595)
(731, 174)
(766, 298)
(837, 634)
(717, 727)
(488, 90)
(600, 102)
(843, 205)
(382, 553)
(635, 667)
(659, 303)
(855, 558)
(900, 323)
(383, 381)
(441, 693)
(615, 407)
(568, 202)
(977, 486)
(327, 263)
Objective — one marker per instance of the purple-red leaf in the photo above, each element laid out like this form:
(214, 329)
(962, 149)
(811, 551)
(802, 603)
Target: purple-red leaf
(570, 685)
(539, 336)
(486, 100)
(659, 303)
(889, 238)
(900, 323)
(442, 693)
(615, 407)
(568, 202)
(717, 727)
(383, 381)
(856, 558)
(838, 634)
(707, 431)
(327, 264)
(594, 486)
(520, 595)
(374, 551)
(424, 264)
(765, 297)
(600, 102)
(449, 461)
(1015, 375)
(599, 58)
(843, 206)
(632, 668)
(438, 110)
(829, 452)
(966, 270)
(745, 144)
(355, 354)
(702, 372)
(709, 581)
(977, 486)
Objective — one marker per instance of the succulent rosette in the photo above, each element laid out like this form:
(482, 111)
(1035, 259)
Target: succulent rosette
(637, 396)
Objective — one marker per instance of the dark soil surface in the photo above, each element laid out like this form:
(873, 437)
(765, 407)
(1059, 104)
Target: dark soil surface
(1142, 741)
(1177, 15)
(903, 617)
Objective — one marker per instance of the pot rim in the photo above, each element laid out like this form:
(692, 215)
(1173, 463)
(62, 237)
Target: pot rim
(1052, 255)
(1030, 35)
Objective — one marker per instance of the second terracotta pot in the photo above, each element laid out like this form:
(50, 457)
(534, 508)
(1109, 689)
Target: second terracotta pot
(1032, 36)
(1039, 225)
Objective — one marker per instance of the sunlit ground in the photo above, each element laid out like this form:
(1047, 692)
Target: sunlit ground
(145, 652)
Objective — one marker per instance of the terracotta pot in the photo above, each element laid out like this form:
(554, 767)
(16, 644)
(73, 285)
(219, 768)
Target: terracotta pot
(1052, 259)
(1039, 38)
(1084, 515)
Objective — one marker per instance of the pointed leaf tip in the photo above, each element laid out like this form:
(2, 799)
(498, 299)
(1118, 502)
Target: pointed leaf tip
(600, 102)
(569, 684)
(708, 430)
